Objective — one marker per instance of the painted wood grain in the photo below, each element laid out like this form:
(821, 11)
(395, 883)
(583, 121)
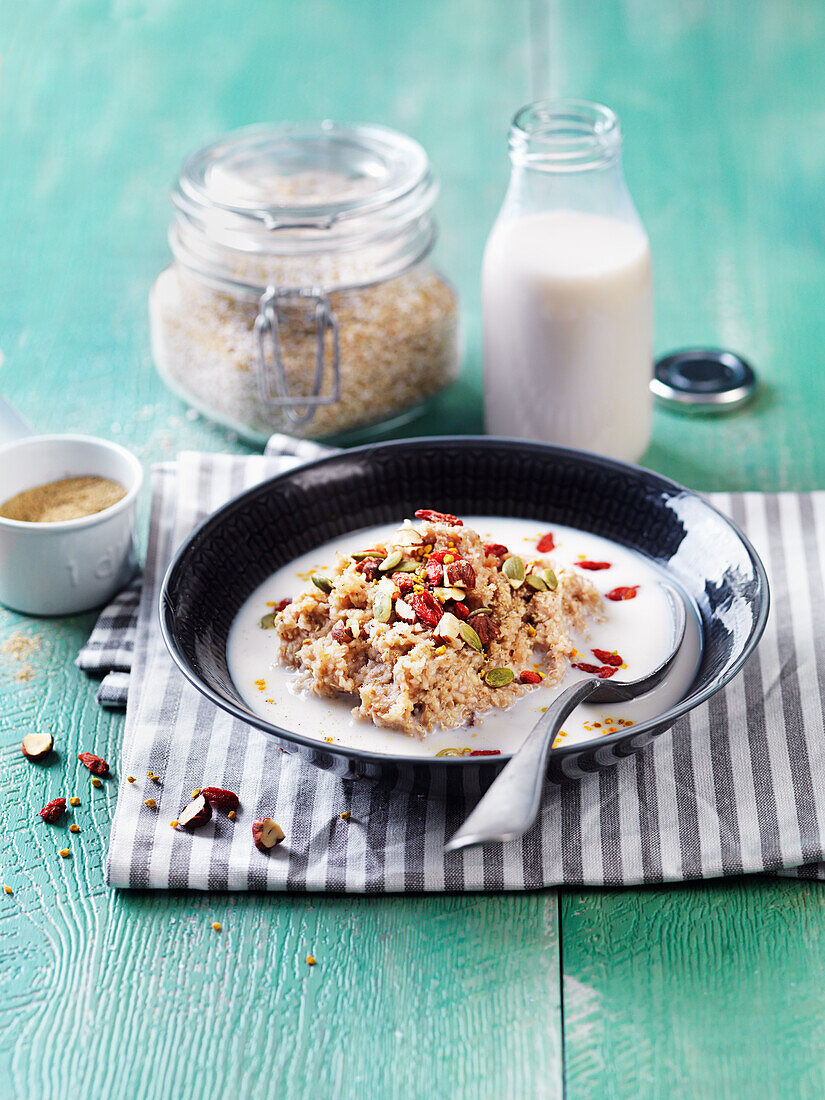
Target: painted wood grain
(719, 102)
(703, 991)
(694, 991)
(712, 991)
(134, 995)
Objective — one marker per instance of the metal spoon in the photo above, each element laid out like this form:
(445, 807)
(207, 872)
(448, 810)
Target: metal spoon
(12, 424)
(512, 803)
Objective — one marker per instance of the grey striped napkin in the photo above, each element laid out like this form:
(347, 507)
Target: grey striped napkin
(109, 652)
(736, 786)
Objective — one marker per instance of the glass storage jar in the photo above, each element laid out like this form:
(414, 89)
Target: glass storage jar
(301, 298)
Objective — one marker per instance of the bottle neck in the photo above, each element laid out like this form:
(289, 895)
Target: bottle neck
(565, 136)
(567, 154)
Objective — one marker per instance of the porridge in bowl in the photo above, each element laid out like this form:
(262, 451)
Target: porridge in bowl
(450, 637)
(432, 627)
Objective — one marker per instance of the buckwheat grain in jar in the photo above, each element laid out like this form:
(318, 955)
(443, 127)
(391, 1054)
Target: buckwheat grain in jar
(301, 298)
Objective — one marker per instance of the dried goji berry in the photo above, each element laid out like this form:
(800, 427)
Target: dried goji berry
(495, 550)
(604, 672)
(593, 565)
(426, 607)
(439, 517)
(627, 593)
(435, 572)
(459, 610)
(281, 604)
(485, 752)
(607, 658)
(96, 764)
(404, 582)
(53, 810)
(220, 799)
(440, 555)
(529, 677)
(546, 543)
(461, 573)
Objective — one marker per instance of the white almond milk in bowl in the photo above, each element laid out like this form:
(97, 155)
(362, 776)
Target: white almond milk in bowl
(567, 290)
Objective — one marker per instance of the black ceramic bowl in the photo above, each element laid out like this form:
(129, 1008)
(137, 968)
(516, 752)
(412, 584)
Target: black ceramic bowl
(244, 542)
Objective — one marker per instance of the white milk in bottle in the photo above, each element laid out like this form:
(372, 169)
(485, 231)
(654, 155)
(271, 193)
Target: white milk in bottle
(567, 290)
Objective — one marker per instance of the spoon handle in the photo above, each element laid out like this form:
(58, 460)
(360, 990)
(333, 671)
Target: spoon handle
(12, 424)
(512, 803)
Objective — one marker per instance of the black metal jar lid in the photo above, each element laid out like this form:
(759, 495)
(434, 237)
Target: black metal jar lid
(703, 380)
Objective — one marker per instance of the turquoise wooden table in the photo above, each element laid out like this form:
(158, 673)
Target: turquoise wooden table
(704, 990)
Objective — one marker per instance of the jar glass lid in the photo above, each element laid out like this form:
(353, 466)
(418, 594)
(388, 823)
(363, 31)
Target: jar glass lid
(277, 204)
(303, 175)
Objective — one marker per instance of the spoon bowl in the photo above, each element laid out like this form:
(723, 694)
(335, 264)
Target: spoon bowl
(512, 802)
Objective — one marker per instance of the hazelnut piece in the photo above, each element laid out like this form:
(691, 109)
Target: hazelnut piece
(197, 813)
(460, 573)
(486, 629)
(341, 633)
(267, 833)
(448, 626)
(37, 745)
(404, 612)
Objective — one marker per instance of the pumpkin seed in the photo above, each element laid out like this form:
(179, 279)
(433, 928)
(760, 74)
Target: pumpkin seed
(513, 570)
(390, 561)
(481, 611)
(324, 583)
(535, 581)
(381, 607)
(268, 621)
(499, 677)
(470, 637)
(550, 579)
(362, 555)
(408, 565)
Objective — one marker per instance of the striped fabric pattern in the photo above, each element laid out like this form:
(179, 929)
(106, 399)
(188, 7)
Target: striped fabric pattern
(736, 786)
(110, 650)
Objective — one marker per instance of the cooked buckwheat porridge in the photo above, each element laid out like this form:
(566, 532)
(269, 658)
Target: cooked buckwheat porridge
(435, 636)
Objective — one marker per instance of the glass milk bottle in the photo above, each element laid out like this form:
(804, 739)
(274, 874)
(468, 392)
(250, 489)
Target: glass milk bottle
(567, 289)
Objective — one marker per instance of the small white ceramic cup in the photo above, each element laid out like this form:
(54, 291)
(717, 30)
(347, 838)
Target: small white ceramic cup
(76, 564)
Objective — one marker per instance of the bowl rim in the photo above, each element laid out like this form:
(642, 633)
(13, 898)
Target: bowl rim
(662, 721)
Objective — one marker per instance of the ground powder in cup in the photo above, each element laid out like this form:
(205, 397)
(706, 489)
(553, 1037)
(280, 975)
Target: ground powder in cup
(68, 498)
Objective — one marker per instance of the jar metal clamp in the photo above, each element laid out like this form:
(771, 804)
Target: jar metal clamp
(299, 410)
